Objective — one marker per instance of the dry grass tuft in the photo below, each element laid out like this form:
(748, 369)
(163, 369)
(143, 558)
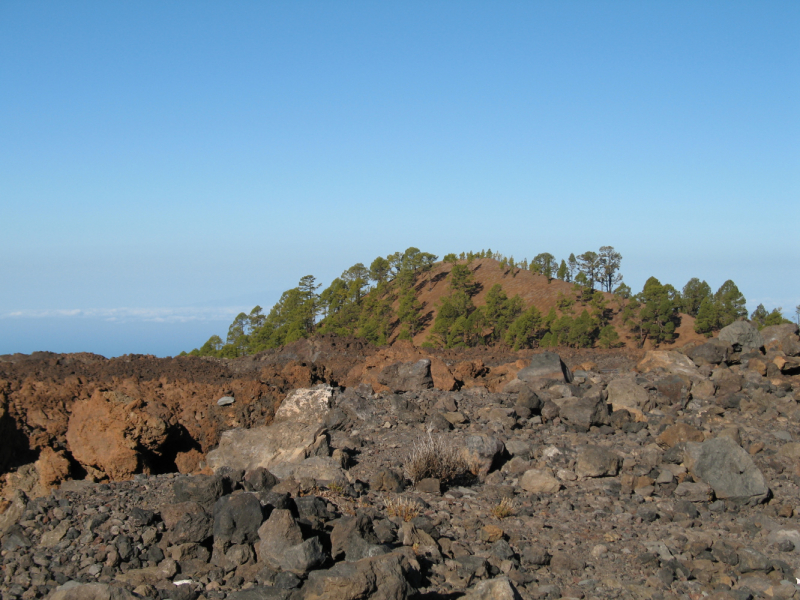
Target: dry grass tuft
(435, 456)
(401, 507)
(336, 488)
(505, 508)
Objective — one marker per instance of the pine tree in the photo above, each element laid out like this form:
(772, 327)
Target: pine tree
(775, 317)
(609, 264)
(379, 270)
(706, 320)
(500, 310)
(545, 264)
(589, 265)
(572, 268)
(563, 272)
(759, 315)
(609, 338)
(210, 348)
(658, 313)
(410, 314)
(730, 304)
(525, 329)
(237, 335)
(694, 292)
(582, 331)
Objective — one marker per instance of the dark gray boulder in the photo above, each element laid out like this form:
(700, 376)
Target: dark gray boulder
(407, 377)
(304, 557)
(237, 519)
(386, 480)
(311, 507)
(547, 365)
(728, 469)
(783, 338)
(527, 398)
(382, 577)
(186, 522)
(203, 489)
(752, 560)
(282, 545)
(584, 413)
(713, 352)
(482, 451)
(259, 480)
(743, 336)
(352, 538)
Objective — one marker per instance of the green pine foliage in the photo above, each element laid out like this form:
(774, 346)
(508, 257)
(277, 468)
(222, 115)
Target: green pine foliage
(706, 320)
(653, 313)
(694, 292)
(456, 307)
(526, 330)
(761, 318)
(723, 308)
(501, 311)
(730, 304)
(409, 313)
(609, 338)
(563, 272)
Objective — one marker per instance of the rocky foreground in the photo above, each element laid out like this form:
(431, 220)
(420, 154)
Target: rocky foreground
(676, 479)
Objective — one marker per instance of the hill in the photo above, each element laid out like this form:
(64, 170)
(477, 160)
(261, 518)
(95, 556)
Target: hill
(487, 299)
(534, 289)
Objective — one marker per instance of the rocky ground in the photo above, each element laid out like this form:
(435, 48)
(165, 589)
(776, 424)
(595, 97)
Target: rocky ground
(665, 475)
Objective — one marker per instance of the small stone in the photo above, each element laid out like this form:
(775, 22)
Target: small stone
(537, 481)
(491, 533)
(226, 400)
(430, 485)
(596, 461)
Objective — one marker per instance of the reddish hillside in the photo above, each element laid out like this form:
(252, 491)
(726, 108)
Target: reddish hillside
(534, 289)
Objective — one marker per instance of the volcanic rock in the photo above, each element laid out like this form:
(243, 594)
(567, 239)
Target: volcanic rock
(407, 377)
(728, 469)
(547, 365)
(381, 577)
(626, 394)
(783, 338)
(109, 435)
(671, 362)
(743, 336)
(297, 426)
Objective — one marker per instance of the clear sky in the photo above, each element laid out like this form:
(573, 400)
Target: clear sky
(164, 165)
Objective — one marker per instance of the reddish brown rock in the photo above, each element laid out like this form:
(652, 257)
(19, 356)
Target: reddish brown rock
(53, 468)
(680, 432)
(109, 435)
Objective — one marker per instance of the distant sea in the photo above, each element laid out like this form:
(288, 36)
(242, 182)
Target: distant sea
(105, 337)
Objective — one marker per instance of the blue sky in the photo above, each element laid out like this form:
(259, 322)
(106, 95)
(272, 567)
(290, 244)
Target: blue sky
(165, 165)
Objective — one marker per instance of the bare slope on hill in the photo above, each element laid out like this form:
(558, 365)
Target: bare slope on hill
(534, 289)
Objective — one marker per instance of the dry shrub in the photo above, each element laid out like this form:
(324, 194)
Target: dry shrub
(336, 488)
(401, 507)
(435, 456)
(505, 508)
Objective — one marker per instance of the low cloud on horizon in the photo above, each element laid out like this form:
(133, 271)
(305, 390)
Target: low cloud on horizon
(127, 314)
